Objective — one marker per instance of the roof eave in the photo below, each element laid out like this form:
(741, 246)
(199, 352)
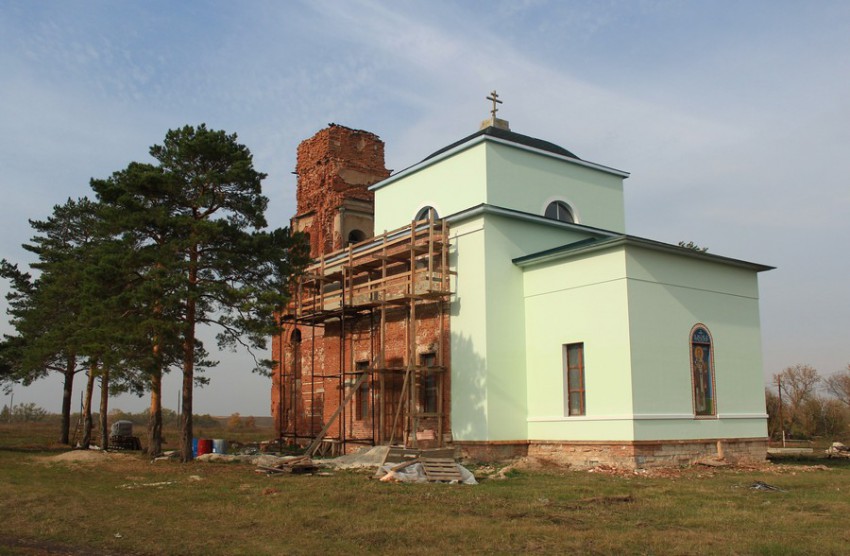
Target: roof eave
(484, 138)
(484, 208)
(589, 246)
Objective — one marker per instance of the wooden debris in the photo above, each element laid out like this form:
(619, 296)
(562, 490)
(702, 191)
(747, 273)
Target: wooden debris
(397, 454)
(299, 465)
(390, 475)
(441, 469)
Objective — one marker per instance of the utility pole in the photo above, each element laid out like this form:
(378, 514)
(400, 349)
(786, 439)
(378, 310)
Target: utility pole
(781, 419)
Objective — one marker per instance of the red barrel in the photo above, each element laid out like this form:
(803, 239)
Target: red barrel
(205, 446)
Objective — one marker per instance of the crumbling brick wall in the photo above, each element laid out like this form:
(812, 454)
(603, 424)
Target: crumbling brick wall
(336, 165)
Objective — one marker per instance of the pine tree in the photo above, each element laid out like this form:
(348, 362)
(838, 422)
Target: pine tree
(46, 311)
(197, 219)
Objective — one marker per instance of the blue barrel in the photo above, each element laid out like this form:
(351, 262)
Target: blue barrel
(194, 447)
(219, 446)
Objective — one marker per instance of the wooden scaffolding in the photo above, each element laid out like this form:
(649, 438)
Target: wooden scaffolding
(403, 275)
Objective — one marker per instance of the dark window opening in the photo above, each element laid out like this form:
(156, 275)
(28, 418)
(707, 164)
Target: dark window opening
(361, 404)
(356, 236)
(429, 385)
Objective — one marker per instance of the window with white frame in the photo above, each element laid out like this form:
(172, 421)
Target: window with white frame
(574, 379)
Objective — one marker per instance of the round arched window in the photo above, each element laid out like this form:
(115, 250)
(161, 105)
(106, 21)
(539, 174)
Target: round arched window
(559, 210)
(427, 213)
(356, 236)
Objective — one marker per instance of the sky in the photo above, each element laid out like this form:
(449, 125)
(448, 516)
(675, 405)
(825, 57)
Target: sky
(733, 119)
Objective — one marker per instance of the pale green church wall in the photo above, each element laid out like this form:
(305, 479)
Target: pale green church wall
(582, 299)
(508, 238)
(692, 272)
(668, 295)
(506, 346)
(504, 176)
(487, 325)
(454, 184)
(579, 429)
(468, 328)
(528, 181)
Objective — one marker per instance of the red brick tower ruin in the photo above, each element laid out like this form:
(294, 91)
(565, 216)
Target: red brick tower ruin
(335, 168)
(362, 353)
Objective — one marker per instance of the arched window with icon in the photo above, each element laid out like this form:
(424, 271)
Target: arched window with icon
(702, 372)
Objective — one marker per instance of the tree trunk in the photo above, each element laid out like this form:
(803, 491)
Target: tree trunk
(186, 415)
(67, 391)
(104, 407)
(189, 359)
(155, 417)
(87, 422)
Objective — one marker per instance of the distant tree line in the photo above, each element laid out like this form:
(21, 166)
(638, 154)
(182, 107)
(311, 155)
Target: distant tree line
(170, 418)
(23, 413)
(806, 405)
(122, 280)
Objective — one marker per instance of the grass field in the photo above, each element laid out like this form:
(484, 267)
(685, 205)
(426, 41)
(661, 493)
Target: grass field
(126, 505)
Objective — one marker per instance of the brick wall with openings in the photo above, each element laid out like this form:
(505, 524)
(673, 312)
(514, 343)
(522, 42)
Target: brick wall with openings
(306, 388)
(336, 164)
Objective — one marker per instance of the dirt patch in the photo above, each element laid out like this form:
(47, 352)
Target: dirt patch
(536, 464)
(86, 456)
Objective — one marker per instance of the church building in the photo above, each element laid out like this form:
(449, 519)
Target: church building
(489, 299)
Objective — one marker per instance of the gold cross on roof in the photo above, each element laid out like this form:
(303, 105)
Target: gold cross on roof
(495, 98)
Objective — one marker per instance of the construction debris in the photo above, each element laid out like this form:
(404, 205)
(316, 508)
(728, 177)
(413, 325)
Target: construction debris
(440, 470)
(414, 472)
(420, 466)
(295, 465)
(759, 485)
(225, 458)
(838, 450)
(366, 457)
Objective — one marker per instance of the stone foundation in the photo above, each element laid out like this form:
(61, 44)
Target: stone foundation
(628, 455)
(487, 452)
